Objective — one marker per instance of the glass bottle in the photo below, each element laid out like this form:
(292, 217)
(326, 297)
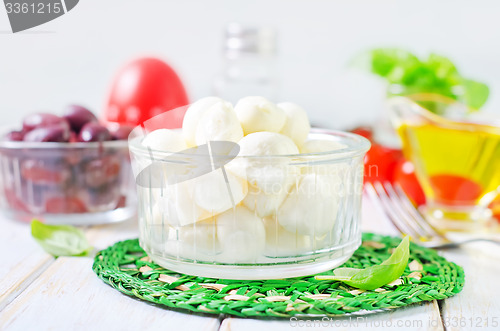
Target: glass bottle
(249, 66)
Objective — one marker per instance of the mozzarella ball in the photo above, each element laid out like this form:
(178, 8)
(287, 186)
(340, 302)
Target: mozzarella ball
(265, 203)
(241, 234)
(320, 145)
(164, 140)
(272, 174)
(210, 191)
(266, 143)
(280, 242)
(218, 123)
(177, 204)
(259, 114)
(197, 241)
(297, 123)
(154, 227)
(157, 217)
(311, 208)
(200, 237)
(192, 117)
(331, 168)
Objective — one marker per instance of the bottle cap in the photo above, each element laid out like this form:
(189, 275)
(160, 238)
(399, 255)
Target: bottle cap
(245, 39)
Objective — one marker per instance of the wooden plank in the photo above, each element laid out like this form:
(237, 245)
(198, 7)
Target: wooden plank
(69, 296)
(477, 306)
(102, 236)
(418, 317)
(424, 317)
(22, 259)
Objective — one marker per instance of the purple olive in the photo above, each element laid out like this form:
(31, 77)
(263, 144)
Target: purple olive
(73, 137)
(14, 136)
(49, 133)
(94, 131)
(37, 120)
(101, 171)
(43, 172)
(122, 132)
(78, 116)
(106, 196)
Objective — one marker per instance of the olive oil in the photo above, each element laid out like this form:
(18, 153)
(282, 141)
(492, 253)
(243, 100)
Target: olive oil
(457, 163)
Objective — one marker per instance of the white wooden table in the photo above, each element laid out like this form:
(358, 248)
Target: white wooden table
(43, 293)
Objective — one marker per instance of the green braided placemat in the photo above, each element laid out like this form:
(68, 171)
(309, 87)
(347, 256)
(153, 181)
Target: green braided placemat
(428, 276)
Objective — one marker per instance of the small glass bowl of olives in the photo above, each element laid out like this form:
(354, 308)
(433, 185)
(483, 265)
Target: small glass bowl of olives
(68, 169)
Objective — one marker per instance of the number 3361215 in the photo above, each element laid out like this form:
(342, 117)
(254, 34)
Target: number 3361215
(33, 8)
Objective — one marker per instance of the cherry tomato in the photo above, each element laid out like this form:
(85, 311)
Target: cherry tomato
(455, 190)
(495, 207)
(404, 175)
(142, 89)
(364, 131)
(380, 163)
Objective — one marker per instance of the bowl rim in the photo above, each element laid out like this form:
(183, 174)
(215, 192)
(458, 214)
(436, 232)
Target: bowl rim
(361, 146)
(13, 145)
(466, 123)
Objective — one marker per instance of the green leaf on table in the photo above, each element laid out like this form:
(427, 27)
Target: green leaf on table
(475, 93)
(375, 276)
(60, 240)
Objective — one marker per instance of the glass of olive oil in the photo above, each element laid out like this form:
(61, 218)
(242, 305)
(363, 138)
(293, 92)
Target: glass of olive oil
(457, 160)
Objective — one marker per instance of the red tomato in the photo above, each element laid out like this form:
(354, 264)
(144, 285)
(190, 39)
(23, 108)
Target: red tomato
(380, 163)
(455, 190)
(142, 89)
(404, 175)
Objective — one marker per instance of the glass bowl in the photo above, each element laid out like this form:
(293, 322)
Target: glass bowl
(67, 183)
(250, 217)
(456, 158)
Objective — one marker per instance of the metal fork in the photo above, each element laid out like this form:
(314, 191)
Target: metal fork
(398, 208)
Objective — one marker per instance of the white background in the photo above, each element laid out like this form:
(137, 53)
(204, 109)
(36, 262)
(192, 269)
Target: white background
(72, 59)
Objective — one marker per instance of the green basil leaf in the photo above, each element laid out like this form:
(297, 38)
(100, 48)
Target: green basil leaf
(437, 74)
(392, 63)
(475, 93)
(375, 276)
(345, 273)
(441, 66)
(60, 240)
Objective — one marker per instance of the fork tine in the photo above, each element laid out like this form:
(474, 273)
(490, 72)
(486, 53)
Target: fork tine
(380, 198)
(377, 201)
(393, 202)
(408, 217)
(402, 217)
(419, 219)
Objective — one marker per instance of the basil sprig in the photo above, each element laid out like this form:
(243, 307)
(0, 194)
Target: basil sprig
(60, 240)
(436, 74)
(375, 276)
